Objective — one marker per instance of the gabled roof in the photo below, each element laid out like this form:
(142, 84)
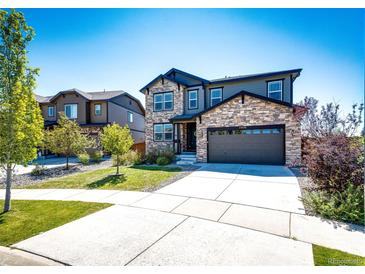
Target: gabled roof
(296, 73)
(253, 76)
(244, 92)
(73, 90)
(161, 76)
(174, 70)
(105, 95)
(42, 99)
(90, 96)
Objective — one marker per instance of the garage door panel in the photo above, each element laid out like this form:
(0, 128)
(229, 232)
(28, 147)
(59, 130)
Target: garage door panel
(253, 146)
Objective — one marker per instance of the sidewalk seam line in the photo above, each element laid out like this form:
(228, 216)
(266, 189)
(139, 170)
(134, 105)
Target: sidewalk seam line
(143, 251)
(224, 213)
(179, 204)
(40, 255)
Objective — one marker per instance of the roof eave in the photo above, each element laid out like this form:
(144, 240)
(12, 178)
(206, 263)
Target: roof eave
(188, 75)
(263, 75)
(244, 92)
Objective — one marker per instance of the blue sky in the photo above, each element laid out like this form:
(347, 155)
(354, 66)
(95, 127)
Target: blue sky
(96, 49)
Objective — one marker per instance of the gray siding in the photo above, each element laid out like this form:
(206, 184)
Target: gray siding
(118, 114)
(200, 100)
(257, 86)
(127, 102)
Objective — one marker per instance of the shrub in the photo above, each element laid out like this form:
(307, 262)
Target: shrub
(151, 157)
(132, 157)
(96, 156)
(347, 206)
(168, 153)
(334, 161)
(84, 158)
(38, 170)
(162, 161)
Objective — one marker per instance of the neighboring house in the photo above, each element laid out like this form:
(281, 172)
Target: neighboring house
(244, 119)
(94, 110)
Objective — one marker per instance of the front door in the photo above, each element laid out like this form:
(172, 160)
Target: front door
(191, 136)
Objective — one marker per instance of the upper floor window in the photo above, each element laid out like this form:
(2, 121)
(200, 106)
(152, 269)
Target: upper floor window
(162, 132)
(193, 99)
(97, 109)
(215, 96)
(163, 101)
(71, 111)
(130, 116)
(275, 89)
(51, 111)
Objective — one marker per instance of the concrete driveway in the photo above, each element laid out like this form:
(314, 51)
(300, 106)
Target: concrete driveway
(273, 187)
(221, 214)
(123, 235)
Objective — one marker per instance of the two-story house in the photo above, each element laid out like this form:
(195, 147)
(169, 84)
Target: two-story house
(94, 110)
(243, 119)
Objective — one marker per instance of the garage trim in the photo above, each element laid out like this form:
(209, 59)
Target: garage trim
(280, 126)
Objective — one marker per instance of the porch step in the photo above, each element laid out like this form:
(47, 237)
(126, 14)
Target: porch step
(186, 159)
(185, 163)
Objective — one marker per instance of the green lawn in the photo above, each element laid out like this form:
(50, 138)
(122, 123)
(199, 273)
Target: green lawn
(133, 178)
(331, 257)
(29, 218)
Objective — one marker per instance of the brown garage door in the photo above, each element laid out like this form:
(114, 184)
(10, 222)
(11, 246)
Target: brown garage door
(251, 145)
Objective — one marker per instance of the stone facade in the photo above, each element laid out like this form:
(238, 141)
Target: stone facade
(161, 116)
(253, 112)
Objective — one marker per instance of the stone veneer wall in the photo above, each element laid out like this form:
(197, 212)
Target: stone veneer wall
(161, 116)
(253, 112)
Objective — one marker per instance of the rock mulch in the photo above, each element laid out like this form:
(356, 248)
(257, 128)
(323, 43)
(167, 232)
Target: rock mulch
(23, 180)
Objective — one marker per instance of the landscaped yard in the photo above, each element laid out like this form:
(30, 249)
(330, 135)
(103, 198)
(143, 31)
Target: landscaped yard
(331, 257)
(132, 178)
(29, 218)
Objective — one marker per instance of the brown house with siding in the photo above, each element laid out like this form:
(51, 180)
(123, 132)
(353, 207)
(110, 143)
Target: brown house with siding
(244, 119)
(94, 110)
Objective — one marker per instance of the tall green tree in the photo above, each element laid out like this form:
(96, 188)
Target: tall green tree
(116, 140)
(66, 139)
(21, 121)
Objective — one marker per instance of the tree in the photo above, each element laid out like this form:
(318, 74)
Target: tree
(116, 140)
(21, 122)
(328, 121)
(66, 139)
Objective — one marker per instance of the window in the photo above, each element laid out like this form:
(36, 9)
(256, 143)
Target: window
(193, 99)
(50, 111)
(97, 109)
(215, 96)
(71, 111)
(130, 117)
(275, 90)
(162, 132)
(163, 101)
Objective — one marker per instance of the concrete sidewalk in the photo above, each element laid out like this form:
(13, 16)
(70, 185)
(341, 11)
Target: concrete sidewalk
(349, 238)
(15, 257)
(123, 235)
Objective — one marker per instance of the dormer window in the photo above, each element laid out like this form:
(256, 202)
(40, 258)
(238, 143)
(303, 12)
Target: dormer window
(216, 95)
(97, 109)
(275, 89)
(51, 111)
(193, 99)
(71, 111)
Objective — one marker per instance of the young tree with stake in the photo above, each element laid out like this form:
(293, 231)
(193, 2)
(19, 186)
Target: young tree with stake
(21, 122)
(116, 140)
(66, 139)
